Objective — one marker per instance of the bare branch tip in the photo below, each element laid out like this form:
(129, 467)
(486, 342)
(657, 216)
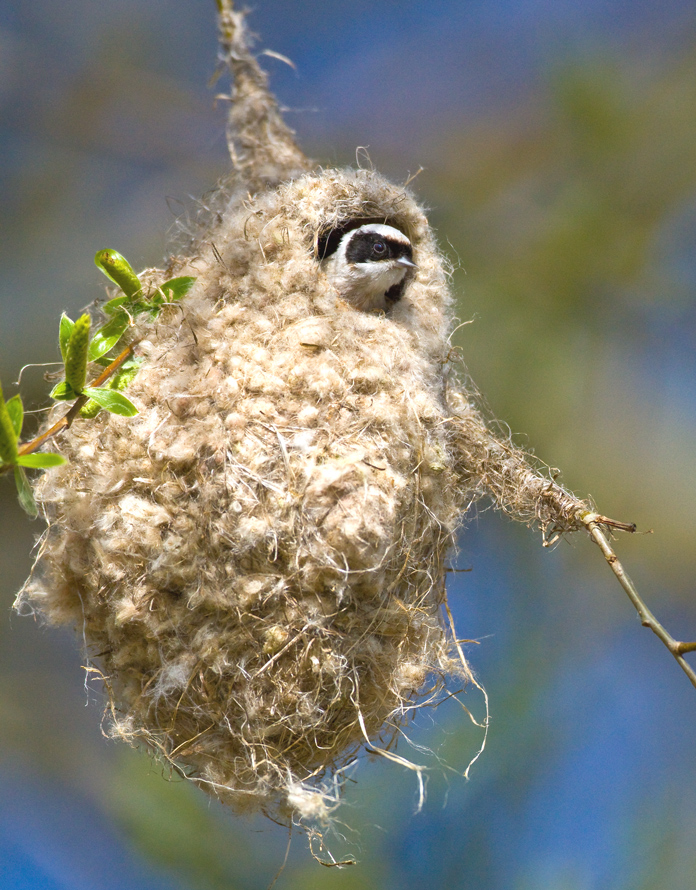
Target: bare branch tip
(590, 518)
(681, 648)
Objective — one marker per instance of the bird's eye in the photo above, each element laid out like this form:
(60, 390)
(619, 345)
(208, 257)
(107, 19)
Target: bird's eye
(379, 247)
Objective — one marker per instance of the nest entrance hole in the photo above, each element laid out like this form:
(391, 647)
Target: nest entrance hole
(329, 236)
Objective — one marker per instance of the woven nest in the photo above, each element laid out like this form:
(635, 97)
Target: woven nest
(257, 559)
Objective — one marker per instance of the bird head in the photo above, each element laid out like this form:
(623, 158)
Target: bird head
(370, 265)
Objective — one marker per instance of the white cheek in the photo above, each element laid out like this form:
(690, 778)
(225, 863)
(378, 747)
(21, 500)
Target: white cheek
(379, 271)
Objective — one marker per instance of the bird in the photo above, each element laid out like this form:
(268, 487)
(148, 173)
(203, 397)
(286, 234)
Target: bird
(370, 265)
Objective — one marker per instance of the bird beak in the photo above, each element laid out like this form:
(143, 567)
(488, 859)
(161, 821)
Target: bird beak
(402, 261)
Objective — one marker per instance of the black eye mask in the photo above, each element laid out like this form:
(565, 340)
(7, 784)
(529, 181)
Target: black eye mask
(364, 247)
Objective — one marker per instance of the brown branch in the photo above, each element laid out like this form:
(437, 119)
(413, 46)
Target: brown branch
(68, 418)
(592, 522)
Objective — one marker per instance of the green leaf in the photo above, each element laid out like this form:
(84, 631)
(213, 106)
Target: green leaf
(107, 336)
(114, 304)
(63, 392)
(41, 461)
(119, 270)
(104, 361)
(176, 288)
(90, 409)
(64, 332)
(15, 409)
(112, 401)
(26, 498)
(129, 363)
(138, 308)
(125, 375)
(76, 358)
(8, 436)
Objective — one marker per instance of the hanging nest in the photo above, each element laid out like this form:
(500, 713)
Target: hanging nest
(257, 560)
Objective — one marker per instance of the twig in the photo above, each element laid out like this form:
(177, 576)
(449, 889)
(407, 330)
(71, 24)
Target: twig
(68, 418)
(592, 522)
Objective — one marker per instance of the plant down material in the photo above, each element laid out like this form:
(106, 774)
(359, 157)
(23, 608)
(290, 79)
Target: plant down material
(258, 557)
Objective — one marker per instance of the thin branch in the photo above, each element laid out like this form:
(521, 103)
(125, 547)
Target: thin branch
(68, 418)
(592, 522)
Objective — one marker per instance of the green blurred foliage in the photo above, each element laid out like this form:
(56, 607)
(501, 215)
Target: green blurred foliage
(166, 819)
(558, 213)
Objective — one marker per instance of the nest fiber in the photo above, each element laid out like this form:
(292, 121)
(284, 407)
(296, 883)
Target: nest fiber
(257, 559)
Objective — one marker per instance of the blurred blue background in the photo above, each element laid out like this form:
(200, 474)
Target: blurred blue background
(558, 142)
